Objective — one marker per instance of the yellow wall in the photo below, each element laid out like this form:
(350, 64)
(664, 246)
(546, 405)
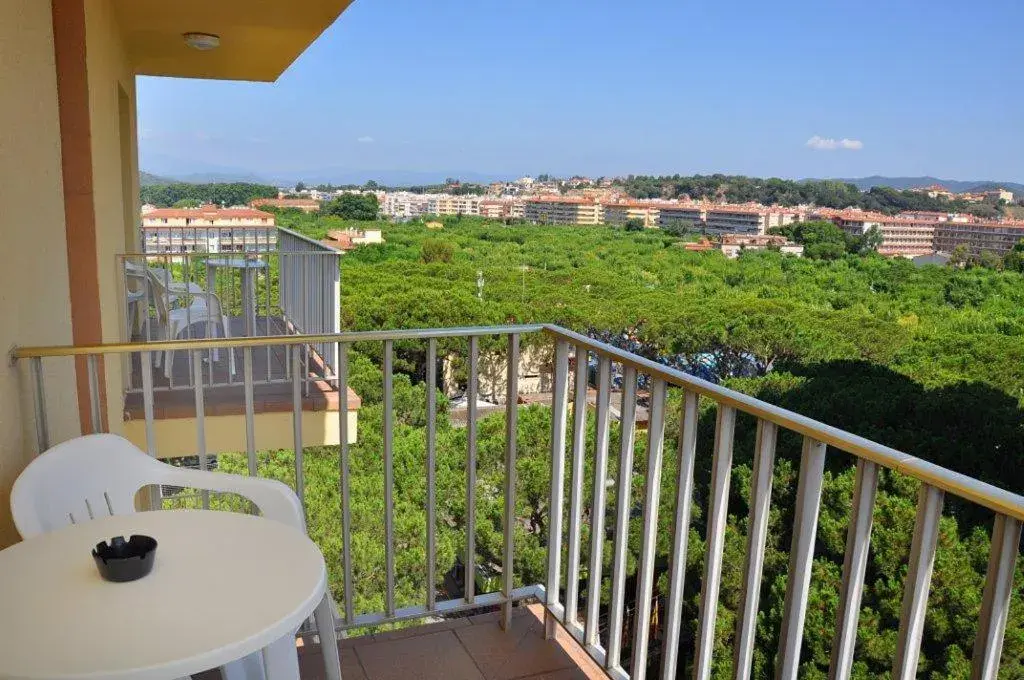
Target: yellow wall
(177, 436)
(34, 305)
(114, 164)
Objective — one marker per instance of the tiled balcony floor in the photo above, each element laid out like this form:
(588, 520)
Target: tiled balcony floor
(472, 648)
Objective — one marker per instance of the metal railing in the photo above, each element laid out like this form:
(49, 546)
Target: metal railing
(310, 275)
(560, 593)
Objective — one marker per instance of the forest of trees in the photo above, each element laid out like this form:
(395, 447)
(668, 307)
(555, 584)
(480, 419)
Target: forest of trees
(186, 193)
(927, 360)
(822, 193)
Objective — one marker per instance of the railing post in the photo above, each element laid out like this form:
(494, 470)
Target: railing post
(389, 482)
(623, 507)
(718, 506)
(431, 473)
(995, 603)
(95, 417)
(591, 624)
(687, 453)
(197, 389)
(559, 407)
(250, 411)
(297, 380)
(757, 533)
(511, 430)
(919, 578)
(469, 562)
(579, 440)
(801, 558)
(343, 479)
(855, 561)
(146, 367)
(645, 569)
(42, 427)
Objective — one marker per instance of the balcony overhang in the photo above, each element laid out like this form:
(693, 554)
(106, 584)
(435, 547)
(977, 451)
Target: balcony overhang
(259, 39)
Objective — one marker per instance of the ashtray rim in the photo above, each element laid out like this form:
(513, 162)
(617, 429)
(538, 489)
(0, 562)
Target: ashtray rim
(140, 547)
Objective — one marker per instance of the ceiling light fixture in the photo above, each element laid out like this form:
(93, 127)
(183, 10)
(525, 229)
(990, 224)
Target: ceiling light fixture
(202, 41)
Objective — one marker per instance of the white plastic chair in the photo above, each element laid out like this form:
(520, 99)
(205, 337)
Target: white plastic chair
(203, 307)
(100, 474)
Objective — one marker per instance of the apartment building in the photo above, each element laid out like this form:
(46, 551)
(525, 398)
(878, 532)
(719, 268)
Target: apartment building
(306, 205)
(501, 208)
(746, 219)
(670, 214)
(207, 229)
(732, 245)
(446, 204)
(623, 211)
(404, 205)
(902, 236)
(562, 210)
(979, 237)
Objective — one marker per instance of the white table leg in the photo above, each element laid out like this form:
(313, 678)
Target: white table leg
(281, 659)
(324, 616)
(246, 668)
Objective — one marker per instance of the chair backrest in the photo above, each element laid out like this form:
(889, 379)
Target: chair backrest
(100, 474)
(159, 280)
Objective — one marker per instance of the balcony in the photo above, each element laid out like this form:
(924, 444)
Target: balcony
(233, 282)
(567, 556)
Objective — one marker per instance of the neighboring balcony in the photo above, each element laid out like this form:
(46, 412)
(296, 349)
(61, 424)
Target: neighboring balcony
(604, 498)
(233, 283)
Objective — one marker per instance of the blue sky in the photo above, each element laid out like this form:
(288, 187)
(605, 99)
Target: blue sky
(595, 87)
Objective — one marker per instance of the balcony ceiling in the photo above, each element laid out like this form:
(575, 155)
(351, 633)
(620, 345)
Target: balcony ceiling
(259, 38)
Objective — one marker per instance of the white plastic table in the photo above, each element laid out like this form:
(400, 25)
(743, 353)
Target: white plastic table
(223, 585)
(248, 266)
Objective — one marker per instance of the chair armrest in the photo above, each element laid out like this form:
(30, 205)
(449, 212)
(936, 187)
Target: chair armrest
(275, 499)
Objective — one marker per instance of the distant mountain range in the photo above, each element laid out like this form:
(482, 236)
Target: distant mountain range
(958, 186)
(408, 178)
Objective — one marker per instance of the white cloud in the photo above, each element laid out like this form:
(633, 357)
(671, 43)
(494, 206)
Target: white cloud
(366, 139)
(829, 144)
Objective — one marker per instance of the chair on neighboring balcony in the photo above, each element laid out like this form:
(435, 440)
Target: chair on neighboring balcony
(201, 307)
(110, 470)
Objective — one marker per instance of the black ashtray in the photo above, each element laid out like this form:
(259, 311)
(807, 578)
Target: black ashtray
(122, 560)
